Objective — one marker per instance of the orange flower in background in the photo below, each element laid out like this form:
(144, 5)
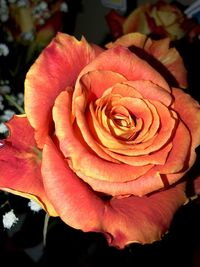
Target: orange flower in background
(157, 20)
(108, 137)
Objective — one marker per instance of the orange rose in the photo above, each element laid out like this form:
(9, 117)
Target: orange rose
(107, 139)
(158, 20)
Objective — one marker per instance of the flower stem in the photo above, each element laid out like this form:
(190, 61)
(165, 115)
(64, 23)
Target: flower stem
(11, 100)
(46, 221)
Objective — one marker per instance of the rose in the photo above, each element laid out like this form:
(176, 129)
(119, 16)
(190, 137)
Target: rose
(160, 19)
(106, 140)
(157, 20)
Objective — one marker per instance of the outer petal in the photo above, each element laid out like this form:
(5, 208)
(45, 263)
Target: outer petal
(20, 164)
(123, 221)
(135, 38)
(120, 60)
(189, 110)
(56, 68)
(179, 155)
(142, 219)
(170, 58)
(161, 52)
(74, 201)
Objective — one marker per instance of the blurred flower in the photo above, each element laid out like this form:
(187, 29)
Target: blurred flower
(9, 219)
(7, 114)
(34, 206)
(4, 51)
(4, 87)
(3, 128)
(157, 20)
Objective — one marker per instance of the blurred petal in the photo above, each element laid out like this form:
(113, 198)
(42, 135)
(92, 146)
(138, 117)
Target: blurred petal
(20, 164)
(115, 22)
(136, 21)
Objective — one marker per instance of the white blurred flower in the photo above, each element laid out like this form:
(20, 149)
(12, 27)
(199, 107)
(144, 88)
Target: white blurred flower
(4, 51)
(4, 11)
(34, 206)
(7, 115)
(64, 7)
(1, 106)
(3, 128)
(22, 3)
(9, 219)
(43, 5)
(28, 36)
(5, 89)
(20, 99)
(41, 21)
(1, 103)
(4, 17)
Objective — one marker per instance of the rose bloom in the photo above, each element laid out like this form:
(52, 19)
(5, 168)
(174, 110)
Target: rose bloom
(107, 137)
(157, 20)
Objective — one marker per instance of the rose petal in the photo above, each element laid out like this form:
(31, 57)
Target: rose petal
(136, 21)
(170, 58)
(142, 219)
(81, 159)
(158, 157)
(129, 39)
(189, 110)
(137, 106)
(94, 83)
(168, 122)
(73, 200)
(20, 164)
(151, 91)
(56, 68)
(180, 153)
(123, 221)
(63, 123)
(147, 183)
(161, 51)
(115, 22)
(131, 66)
